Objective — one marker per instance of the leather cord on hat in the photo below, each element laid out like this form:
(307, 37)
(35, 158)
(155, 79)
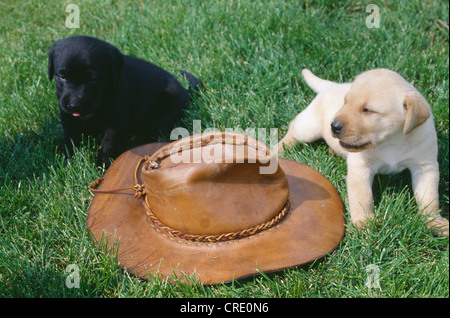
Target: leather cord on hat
(140, 194)
(217, 237)
(139, 189)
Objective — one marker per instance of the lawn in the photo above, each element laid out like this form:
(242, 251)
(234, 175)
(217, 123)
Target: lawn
(249, 54)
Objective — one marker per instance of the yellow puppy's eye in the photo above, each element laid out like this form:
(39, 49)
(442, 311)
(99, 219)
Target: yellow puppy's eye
(366, 110)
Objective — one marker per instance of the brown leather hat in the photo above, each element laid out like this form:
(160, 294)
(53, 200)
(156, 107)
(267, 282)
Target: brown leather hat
(220, 206)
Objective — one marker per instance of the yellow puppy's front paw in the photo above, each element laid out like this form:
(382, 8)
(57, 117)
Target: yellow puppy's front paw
(361, 221)
(440, 226)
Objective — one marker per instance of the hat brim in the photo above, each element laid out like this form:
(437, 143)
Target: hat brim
(313, 228)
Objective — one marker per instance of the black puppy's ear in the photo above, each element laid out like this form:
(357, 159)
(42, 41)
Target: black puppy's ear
(115, 66)
(50, 67)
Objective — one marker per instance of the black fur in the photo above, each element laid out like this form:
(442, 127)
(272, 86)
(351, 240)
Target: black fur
(103, 92)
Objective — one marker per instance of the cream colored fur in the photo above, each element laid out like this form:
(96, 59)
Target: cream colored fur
(385, 126)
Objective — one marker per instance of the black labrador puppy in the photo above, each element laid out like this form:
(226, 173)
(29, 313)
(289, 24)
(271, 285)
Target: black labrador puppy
(102, 91)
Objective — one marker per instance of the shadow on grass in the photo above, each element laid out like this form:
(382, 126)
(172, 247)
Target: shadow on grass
(29, 154)
(384, 183)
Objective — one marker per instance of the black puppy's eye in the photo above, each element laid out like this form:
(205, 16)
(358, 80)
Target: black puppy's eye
(62, 78)
(92, 77)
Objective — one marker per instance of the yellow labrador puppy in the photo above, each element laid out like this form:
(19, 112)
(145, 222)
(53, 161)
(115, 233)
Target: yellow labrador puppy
(381, 124)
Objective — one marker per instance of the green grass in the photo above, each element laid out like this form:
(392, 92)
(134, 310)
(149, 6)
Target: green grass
(249, 54)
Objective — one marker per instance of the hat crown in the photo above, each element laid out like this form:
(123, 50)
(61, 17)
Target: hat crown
(214, 183)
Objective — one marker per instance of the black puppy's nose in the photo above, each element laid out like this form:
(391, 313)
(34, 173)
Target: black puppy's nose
(73, 106)
(336, 128)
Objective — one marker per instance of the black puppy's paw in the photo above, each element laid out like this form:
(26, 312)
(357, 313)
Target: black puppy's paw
(103, 160)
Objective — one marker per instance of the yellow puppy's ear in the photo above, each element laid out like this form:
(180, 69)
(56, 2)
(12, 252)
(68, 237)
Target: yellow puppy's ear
(417, 109)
